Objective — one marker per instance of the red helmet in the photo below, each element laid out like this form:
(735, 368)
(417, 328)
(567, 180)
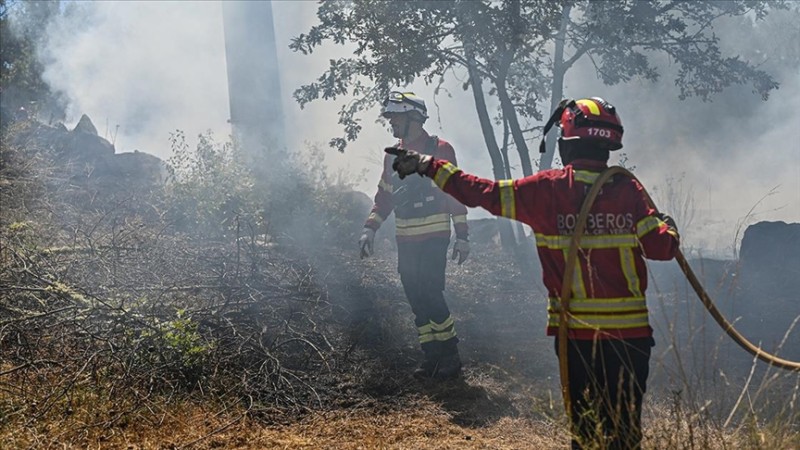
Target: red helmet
(592, 119)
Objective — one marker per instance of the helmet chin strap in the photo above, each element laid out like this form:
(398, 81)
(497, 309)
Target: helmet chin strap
(563, 104)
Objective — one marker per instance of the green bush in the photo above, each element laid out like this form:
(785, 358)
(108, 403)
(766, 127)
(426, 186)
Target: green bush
(210, 189)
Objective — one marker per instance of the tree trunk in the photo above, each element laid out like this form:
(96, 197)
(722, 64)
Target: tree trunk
(557, 87)
(510, 113)
(498, 168)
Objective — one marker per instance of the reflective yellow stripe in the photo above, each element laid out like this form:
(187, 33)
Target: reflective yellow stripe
(595, 322)
(420, 221)
(559, 242)
(433, 326)
(437, 331)
(444, 173)
(585, 176)
(593, 108)
(628, 264)
(443, 336)
(423, 225)
(647, 225)
(383, 184)
(507, 206)
(461, 218)
(578, 287)
(375, 217)
(425, 229)
(599, 305)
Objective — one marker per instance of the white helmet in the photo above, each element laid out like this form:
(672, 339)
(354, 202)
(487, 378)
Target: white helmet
(403, 102)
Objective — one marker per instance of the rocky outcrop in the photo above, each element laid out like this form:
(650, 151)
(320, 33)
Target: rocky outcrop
(770, 257)
(84, 157)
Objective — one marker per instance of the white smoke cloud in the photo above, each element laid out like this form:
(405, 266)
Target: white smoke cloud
(147, 67)
(152, 67)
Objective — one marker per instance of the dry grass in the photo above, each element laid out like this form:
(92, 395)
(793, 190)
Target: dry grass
(199, 425)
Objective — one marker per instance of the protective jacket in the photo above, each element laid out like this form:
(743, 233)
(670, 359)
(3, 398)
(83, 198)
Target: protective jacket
(610, 276)
(421, 210)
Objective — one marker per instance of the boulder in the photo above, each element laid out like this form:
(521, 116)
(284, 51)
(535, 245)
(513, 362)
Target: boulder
(768, 286)
(770, 256)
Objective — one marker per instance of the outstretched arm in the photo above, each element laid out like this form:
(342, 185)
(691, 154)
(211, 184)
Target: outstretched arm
(501, 198)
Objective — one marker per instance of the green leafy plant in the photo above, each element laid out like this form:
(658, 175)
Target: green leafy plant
(210, 188)
(177, 347)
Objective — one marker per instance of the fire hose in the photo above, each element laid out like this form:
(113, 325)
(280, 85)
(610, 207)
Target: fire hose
(566, 292)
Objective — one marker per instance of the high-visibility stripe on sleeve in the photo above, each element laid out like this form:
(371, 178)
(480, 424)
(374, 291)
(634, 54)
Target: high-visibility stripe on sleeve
(461, 218)
(647, 225)
(508, 208)
(444, 173)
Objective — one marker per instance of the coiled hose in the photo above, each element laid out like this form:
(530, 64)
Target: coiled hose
(566, 292)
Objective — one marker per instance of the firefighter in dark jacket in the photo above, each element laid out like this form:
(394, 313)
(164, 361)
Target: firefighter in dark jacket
(610, 337)
(422, 216)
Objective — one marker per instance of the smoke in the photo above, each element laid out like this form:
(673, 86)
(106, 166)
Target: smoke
(143, 69)
(737, 155)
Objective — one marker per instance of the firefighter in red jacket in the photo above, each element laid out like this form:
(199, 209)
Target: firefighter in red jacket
(609, 334)
(422, 217)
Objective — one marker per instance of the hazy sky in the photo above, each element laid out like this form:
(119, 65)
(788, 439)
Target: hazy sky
(143, 69)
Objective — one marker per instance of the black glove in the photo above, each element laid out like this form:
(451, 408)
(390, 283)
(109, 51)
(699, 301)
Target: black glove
(461, 250)
(408, 161)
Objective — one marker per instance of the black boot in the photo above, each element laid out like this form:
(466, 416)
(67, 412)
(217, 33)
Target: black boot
(439, 367)
(448, 367)
(426, 370)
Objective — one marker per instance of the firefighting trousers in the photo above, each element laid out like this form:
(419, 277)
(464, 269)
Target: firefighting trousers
(607, 382)
(422, 272)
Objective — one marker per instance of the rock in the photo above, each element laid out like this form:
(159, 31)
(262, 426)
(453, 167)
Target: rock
(83, 156)
(85, 125)
(770, 255)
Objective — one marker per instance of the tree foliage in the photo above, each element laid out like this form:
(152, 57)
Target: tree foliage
(621, 39)
(523, 49)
